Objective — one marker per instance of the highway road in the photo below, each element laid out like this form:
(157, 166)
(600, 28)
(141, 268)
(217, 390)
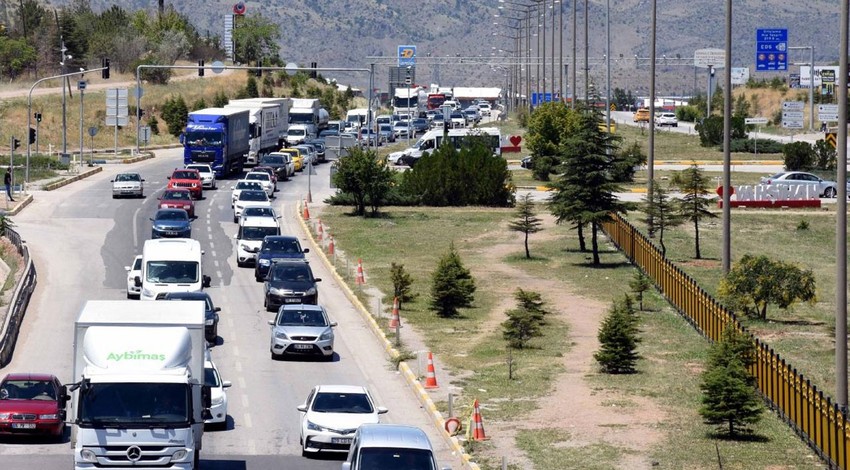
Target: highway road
(81, 239)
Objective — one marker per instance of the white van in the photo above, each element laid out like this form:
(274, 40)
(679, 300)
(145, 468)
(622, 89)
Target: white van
(434, 138)
(297, 134)
(171, 265)
(387, 446)
(252, 230)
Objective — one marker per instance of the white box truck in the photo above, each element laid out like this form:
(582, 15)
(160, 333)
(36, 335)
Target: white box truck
(138, 398)
(269, 123)
(309, 112)
(171, 265)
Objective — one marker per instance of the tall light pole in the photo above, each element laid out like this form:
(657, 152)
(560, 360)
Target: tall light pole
(608, 64)
(727, 130)
(575, 12)
(841, 220)
(81, 86)
(552, 68)
(586, 51)
(561, 50)
(63, 50)
(650, 165)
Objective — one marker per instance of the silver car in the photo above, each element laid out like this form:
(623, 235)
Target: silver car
(826, 188)
(207, 174)
(128, 184)
(302, 329)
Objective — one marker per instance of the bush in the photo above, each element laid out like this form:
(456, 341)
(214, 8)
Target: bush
(452, 285)
(618, 339)
(689, 113)
(751, 145)
(711, 130)
(825, 156)
(799, 156)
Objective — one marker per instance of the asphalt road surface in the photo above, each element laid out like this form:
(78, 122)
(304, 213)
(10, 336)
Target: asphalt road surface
(81, 239)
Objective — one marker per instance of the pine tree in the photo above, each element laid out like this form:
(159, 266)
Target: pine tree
(661, 213)
(153, 122)
(452, 285)
(639, 284)
(618, 339)
(220, 99)
(526, 220)
(694, 204)
(251, 89)
(401, 283)
(525, 321)
(729, 396)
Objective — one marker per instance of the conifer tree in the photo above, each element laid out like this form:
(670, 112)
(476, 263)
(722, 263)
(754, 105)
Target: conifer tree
(661, 213)
(452, 285)
(695, 202)
(639, 284)
(618, 339)
(526, 220)
(525, 321)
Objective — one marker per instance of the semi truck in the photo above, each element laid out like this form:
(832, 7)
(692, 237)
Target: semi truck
(138, 397)
(267, 122)
(219, 137)
(309, 112)
(410, 101)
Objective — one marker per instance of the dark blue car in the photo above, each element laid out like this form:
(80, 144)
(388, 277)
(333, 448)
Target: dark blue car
(276, 248)
(210, 311)
(171, 223)
(290, 281)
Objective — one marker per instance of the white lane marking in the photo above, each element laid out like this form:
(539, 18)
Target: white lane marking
(135, 228)
(213, 251)
(238, 364)
(236, 351)
(215, 263)
(218, 274)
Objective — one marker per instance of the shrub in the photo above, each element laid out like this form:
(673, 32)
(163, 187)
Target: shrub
(618, 339)
(452, 285)
(799, 156)
(689, 113)
(753, 145)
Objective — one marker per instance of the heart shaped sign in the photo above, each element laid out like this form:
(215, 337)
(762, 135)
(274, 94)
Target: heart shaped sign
(515, 140)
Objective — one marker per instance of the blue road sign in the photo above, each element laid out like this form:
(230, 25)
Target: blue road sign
(771, 50)
(540, 98)
(406, 56)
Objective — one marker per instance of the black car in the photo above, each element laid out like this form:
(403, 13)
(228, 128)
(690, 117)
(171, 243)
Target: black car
(320, 149)
(277, 163)
(527, 163)
(420, 126)
(276, 248)
(171, 223)
(210, 311)
(290, 282)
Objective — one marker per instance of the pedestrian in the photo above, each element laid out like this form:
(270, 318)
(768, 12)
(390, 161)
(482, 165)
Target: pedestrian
(823, 127)
(7, 180)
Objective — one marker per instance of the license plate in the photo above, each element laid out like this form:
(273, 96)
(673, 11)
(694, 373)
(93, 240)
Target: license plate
(341, 440)
(302, 346)
(23, 425)
(171, 233)
(292, 300)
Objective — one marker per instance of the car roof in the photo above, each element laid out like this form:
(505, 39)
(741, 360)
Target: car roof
(335, 388)
(28, 376)
(393, 436)
(187, 295)
(259, 221)
(280, 237)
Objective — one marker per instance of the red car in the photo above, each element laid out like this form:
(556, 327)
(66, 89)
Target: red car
(268, 170)
(178, 199)
(186, 179)
(29, 404)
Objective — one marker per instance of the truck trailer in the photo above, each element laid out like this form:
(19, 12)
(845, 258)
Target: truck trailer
(270, 135)
(219, 137)
(138, 398)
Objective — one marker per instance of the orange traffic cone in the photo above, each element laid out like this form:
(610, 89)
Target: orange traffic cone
(321, 231)
(478, 429)
(430, 373)
(306, 214)
(360, 278)
(395, 322)
(331, 244)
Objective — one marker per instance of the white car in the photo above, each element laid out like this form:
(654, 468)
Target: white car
(207, 174)
(264, 179)
(249, 196)
(242, 185)
(257, 210)
(484, 109)
(666, 119)
(134, 270)
(128, 184)
(332, 413)
(217, 393)
(249, 238)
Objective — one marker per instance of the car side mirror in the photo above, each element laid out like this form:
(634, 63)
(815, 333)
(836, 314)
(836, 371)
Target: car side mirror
(305, 250)
(271, 322)
(137, 281)
(127, 268)
(168, 177)
(318, 279)
(333, 323)
(226, 384)
(143, 180)
(217, 309)
(63, 415)
(302, 408)
(206, 280)
(382, 410)
(111, 181)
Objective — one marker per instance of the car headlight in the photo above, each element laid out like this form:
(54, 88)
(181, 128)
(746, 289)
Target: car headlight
(163, 206)
(87, 455)
(265, 262)
(315, 427)
(186, 206)
(49, 416)
(5, 416)
(326, 336)
(310, 291)
(278, 291)
(179, 455)
(244, 247)
(194, 185)
(281, 335)
(209, 321)
(217, 400)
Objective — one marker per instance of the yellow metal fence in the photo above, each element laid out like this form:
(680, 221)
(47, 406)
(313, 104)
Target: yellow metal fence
(811, 413)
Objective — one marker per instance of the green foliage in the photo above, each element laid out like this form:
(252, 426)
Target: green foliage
(729, 395)
(825, 156)
(548, 125)
(742, 107)
(367, 180)
(543, 166)
(220, 99)
(255, 39)
(710, 130)
(153, 122)
(803, 225)
(452, 285)
(155, 76)
(799, 156)
(251, 90)
(200, 103)
(470, 176)
(622, 99)
(626, 162)
(526, 220)
(755, 282)
(662, 212)
(585, 193)
(755, 145)
(690, 113)
(175, 114)
(401, 283)
(5, 223)
(525, 321)
(697, 198)
(618, 339)
(15, 56)
(522, 116)
(639, 284)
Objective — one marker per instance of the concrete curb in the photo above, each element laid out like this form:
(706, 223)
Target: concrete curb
(407, 373)
(20, 206)
(65, 182)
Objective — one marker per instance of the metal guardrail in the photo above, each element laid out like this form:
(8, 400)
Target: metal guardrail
(819, 422)
(19, 302)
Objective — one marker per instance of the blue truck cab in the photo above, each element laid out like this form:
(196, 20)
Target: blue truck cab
(218, 137)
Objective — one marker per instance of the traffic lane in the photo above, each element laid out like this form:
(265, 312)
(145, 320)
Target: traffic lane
(221, 462)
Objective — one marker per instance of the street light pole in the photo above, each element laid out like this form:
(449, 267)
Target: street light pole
(841, 219)
(552, 68)
(82, 93)
(561, 50)
(608, 64)
(63, 50)
(575, 12)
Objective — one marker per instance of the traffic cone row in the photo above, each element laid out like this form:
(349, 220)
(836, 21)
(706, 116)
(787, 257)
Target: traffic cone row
(306, 214)
(430, 373)
(330, 244)
(395, 322)
(361, 279)
(321, 231)
(477, 425)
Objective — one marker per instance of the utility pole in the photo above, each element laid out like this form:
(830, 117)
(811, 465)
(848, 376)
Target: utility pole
(841, 219)
(64, 79)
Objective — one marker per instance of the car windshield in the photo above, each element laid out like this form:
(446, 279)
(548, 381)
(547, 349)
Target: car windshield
(296, 132)
(258, 212)
(203, 138)
(386, 127)
(172, 215)
(200, 168)
(272, 160)
(282, 246)
(184, 175)
(172, 271)
(257, 176)
(28, 390)
(192, 296)
(211, 377)
(258, 233)
(253, 196)
(301, 318)
(177, 195)
(128, 177)
(376, 458)
(300, 273)
(326, 402)
(248, 185)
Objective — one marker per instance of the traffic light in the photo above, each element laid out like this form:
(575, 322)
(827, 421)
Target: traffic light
(15, 143)
(201, 68)
(104, 62)
(314, 73)
(32, 135)
(37, 117)
(140, 113)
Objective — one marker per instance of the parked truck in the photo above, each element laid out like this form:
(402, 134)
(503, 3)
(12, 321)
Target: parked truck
(219, 137)
(309, 112)
(266, 123)
(138, 397)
